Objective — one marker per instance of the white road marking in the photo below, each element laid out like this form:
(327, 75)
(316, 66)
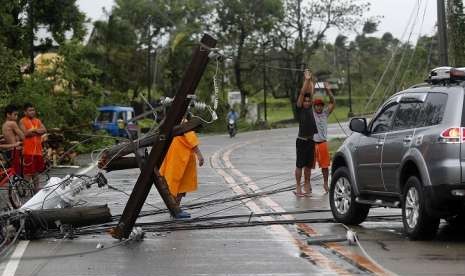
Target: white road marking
(327, 265)
(13, 264)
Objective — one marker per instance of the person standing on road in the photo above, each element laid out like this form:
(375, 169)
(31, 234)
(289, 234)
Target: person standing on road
(305, 145)
(321, 114)
(32, 149)
(180, 167)
(12, 136)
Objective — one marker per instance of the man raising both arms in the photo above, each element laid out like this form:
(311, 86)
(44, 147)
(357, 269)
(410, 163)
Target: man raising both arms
(305, 145)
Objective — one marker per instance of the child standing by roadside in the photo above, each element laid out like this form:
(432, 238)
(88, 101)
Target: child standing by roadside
(321, 114)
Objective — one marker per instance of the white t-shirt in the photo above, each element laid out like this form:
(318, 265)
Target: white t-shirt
(321, 120)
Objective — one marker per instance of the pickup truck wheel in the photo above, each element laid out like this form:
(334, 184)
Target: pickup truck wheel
(418, 224)
(342, 199)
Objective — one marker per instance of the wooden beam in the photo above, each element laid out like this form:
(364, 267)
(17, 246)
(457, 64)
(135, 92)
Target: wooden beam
(113, 154)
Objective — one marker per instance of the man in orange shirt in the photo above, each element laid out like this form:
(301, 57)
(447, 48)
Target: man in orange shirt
(32, 146)
(180, 167)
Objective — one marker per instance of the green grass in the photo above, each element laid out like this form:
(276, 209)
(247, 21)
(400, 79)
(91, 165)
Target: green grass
(334, 144)
(280, 110)
(279, 113)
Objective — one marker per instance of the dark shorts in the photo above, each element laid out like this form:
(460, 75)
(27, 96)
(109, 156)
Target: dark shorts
(305, 153)
(15, 157)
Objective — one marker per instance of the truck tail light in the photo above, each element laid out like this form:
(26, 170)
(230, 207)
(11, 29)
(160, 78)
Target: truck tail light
(452, 135)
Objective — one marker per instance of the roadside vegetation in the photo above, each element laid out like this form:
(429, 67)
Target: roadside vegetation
(145, 45)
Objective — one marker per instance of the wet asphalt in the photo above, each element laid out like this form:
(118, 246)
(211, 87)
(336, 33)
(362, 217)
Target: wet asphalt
(253, 162)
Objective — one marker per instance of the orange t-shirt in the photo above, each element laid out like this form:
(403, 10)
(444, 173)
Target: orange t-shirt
(32, 145)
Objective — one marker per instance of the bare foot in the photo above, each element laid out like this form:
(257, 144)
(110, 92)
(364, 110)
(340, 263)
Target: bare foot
(298, 194)
(308, 193)
(325, 187)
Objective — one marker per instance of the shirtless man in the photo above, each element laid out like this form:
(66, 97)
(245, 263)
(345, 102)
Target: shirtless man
(12, 137)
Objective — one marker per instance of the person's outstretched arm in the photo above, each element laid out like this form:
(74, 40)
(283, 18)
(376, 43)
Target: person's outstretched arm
(307, 87)
(332, 100)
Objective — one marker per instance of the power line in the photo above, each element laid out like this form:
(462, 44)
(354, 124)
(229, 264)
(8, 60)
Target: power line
(394, 52)
(404, 52)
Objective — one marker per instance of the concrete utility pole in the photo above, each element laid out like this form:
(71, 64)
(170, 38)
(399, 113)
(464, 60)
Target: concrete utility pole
(149, 173)
(442, 33)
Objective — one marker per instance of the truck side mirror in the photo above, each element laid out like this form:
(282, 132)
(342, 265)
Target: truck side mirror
(359, 125)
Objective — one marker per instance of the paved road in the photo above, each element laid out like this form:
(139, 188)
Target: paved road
(252, 162)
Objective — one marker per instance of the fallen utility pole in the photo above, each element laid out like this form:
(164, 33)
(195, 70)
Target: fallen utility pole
(149, 173)
(75, 216)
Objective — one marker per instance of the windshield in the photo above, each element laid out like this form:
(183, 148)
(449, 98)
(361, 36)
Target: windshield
(105, 117)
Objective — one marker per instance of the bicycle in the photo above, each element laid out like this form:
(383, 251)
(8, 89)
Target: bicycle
(19, 189)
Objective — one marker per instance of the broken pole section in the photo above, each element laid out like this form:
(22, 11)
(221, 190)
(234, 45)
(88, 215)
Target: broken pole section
(118, 162)
(75, 216)
(162, 142)
(115, 154)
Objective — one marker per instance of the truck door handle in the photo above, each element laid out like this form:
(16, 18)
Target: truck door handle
(408, 139)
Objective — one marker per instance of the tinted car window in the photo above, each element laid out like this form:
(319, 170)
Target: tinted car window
(433, 110)
(382, 123)
(407, 116)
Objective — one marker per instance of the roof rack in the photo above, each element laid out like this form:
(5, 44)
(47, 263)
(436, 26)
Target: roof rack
(418, 85)
(446, 75)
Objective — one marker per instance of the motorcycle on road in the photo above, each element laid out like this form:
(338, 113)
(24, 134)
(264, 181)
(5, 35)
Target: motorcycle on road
(232, 128)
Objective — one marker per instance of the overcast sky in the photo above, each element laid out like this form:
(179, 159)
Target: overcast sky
(394, 15)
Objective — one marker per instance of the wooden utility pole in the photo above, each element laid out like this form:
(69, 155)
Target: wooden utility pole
(349, 83)
(264, 82)
(442, 34)
(149, 173)
(31, 35)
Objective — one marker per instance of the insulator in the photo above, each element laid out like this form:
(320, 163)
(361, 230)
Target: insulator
(166, 101)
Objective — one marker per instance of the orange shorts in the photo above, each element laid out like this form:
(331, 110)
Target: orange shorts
(322, 155)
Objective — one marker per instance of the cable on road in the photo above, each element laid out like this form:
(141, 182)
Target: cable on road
(365, 253)
(193, 224)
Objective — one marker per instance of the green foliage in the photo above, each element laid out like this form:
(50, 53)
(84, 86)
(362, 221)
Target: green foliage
(10, 76)
(456, 29)
(59, 17)
(55, 16)
(67, 94)
(334, 145)
(243, 27)
(97, 141)
(148, 44)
